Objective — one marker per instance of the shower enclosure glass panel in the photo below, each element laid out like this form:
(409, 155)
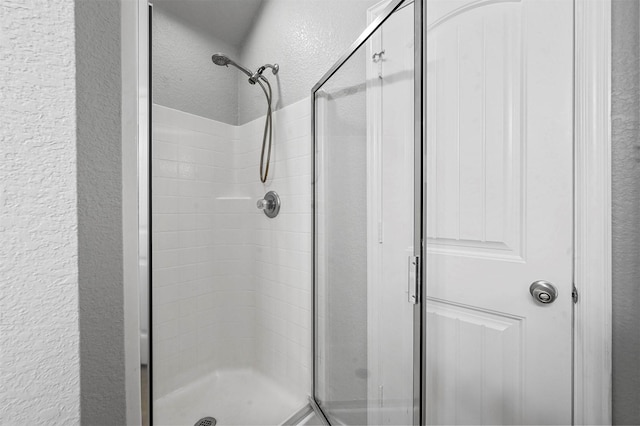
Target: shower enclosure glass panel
(365, 217)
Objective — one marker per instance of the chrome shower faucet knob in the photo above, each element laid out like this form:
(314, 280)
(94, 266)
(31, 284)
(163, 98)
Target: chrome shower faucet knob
(270, 204)
(263, 204)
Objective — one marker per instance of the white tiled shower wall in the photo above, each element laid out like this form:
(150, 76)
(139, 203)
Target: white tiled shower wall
(282, 245)
(231, 287)
(203, 295)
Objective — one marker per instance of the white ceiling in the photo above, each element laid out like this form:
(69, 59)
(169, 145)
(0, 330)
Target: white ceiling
(227, 20)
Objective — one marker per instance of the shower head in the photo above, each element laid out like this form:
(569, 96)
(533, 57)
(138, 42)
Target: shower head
(220, 59)
(223, 60)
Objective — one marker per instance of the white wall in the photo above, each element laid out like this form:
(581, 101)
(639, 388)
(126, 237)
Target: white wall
(39, 330)
(281, 246)
(184, 77)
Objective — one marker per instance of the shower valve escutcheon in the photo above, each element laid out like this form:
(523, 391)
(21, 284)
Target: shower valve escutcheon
(270, 204)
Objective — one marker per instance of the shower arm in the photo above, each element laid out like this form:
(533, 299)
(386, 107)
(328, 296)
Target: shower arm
(240, 67)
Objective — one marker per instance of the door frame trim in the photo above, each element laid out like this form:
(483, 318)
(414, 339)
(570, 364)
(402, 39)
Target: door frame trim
(592, 206)
(135, 125)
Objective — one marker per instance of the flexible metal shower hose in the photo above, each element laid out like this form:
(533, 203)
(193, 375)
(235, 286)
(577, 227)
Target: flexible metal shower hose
(268, 131)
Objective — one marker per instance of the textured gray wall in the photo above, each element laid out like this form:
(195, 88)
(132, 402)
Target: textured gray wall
(305, 37)
(183, 76)
(98, 82)
(626, 211)
(39, 357)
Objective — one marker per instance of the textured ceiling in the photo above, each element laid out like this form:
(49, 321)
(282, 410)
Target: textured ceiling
(226, 20)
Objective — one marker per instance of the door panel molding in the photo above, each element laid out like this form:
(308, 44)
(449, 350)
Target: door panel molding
(477, 188)
(592, 314)
(484, 346)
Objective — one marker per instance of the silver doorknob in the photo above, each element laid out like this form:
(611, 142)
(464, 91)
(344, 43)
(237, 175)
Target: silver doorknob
(543, 291)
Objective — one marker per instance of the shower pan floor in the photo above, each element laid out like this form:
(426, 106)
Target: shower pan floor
(233, 397)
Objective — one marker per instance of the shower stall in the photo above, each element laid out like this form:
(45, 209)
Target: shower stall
(231, 285)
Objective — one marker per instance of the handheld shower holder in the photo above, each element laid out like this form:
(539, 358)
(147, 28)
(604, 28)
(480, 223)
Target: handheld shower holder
(258, 74)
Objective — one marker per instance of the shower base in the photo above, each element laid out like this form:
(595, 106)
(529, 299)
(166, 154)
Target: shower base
(233, 397)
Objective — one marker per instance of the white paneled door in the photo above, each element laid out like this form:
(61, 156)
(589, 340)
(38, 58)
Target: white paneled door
(499, 211)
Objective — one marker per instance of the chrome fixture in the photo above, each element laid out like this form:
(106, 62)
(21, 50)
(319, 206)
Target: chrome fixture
(206, 421)
(377, 56)
(414, 280)
(270, 204)
(543, 291)
(258, 74)
(221, 59)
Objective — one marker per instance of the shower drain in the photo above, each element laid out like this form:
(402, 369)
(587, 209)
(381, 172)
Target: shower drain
(206, 421)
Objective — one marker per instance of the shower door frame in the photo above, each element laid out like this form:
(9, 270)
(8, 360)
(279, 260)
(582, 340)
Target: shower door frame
(418, 244)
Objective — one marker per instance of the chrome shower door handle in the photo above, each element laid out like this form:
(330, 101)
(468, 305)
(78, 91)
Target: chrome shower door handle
(414, 280)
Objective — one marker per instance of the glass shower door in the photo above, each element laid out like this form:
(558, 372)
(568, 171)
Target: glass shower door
(367, 229)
